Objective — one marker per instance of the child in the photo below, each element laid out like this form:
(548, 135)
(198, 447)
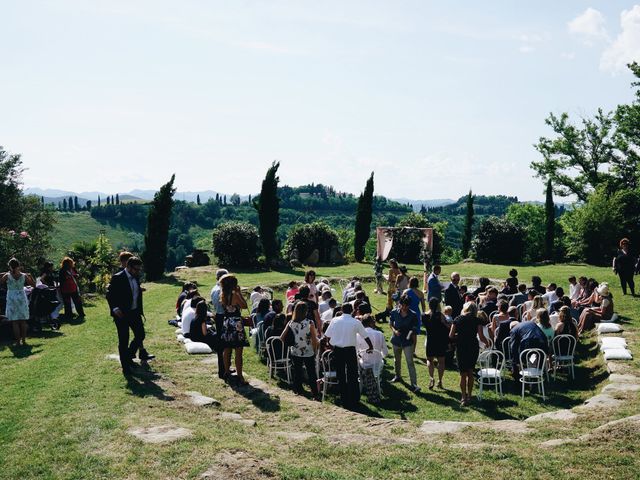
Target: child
(448, 310)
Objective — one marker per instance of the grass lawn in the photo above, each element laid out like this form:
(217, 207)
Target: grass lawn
(65, 409)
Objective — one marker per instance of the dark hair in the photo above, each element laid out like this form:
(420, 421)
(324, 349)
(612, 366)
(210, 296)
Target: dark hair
(293, 283)
(228, 284)
(503, 306)
(201, 309)
(492, 290)
(332, 301)
(13, 263)
(134, 262)
(327, 293)
(364, 308)
(347, 308)
(484, 282)
(413, 282)
(191, 294)
(279, 320)
(532, 293)
(434, 304)
(536, 280)
(512, 282)
(542, 314)
(304, 292)
(263, 306)
(300, 311)
(405, 300)
(522, 288)
(368, 320)
(560, 292)
(188, 286)
(308, 274)
(195, 301)
(513, 273)
(257, 288)
(276, 302)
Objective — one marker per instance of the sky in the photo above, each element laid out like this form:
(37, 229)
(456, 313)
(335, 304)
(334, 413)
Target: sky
(434, 97)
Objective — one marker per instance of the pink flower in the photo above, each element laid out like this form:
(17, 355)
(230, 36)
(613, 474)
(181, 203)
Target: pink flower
(24, 235)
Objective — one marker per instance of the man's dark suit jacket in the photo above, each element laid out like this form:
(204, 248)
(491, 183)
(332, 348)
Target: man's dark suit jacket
(120, 294)
(453, 299)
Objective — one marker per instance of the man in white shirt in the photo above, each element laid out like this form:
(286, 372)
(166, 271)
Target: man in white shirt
(575, 288)
(343, 336)
(323, 306)
(551, 296)
(377, 340)
(188, 314)
(328, 313)
(258, 294)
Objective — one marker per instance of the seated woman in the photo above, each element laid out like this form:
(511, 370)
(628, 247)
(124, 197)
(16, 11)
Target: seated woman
(565, 325)
(544, 322)
(292, 291)
(538, 303)
(501, 316)
(198, 329)
(264, 307)
(592, 315)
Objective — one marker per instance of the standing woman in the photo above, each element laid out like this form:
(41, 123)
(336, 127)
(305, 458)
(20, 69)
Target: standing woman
(394, 271)
(310, 281)
(465, 331)
(303, 350)
(69, 288)
(437, 340)
(403, 325)
(624, 265)
(233, 336)
(417, 305)
(17, 310)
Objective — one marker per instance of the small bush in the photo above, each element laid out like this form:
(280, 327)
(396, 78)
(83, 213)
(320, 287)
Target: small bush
(499, 241)
(307, 237)
(235, 244)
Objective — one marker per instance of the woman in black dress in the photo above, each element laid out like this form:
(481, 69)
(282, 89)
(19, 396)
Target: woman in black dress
(465, 330)
(437, 340)
(198, 331)
(624, 266)
(233, 335)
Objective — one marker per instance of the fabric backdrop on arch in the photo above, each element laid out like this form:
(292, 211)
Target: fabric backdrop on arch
(384, 237)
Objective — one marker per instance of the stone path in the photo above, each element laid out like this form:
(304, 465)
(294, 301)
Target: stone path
(199, 400)
(160, 433)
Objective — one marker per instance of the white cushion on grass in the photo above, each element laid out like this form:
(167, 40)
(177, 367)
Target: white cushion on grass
(180, 324)
(613, 342)
(618, 354)
(186, 340)
(178, 331)
(197, 347)
(180, 338)
(609, 328)
(614, 318)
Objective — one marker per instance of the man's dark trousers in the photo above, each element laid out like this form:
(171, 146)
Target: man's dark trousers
(346, 365)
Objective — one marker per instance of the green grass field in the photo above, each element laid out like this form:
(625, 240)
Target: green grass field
(81, 227)
(65, 409)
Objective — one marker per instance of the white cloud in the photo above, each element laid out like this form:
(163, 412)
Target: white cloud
(626, 47)
(590, 25)
(527, 49)
(568, 55)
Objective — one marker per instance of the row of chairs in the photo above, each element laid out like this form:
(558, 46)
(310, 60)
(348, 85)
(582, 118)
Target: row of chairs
(533, 365)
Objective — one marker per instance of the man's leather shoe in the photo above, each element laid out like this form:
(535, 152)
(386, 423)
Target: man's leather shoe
(146, 356)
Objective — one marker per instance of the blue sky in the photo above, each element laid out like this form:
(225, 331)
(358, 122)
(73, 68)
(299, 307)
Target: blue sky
(435, 97)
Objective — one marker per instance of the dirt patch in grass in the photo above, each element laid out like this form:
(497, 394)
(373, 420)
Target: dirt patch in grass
(238, 465)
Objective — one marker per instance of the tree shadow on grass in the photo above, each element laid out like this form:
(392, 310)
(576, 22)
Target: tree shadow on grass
(142, 384)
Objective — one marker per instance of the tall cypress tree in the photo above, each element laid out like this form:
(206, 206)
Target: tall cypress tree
(76, 207)
(550, 222)
(468, 226)
(64, 204)
(157, 233)
(268, 207)
(198, 199)
(364, 214)
(117, 199)
(98, 200)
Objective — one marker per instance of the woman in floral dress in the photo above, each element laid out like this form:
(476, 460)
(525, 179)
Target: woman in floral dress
(17, 311)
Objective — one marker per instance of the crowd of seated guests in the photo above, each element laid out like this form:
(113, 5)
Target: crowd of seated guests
(313, 321)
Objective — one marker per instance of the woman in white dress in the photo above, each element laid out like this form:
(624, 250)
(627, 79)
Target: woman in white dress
(17, 310)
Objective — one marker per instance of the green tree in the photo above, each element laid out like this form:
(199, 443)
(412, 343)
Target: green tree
(157, 232)
(550, 222)
(117, 199)
(235, 244)
(626, 162)
(364, 214)
(531, 218)
(10, 194)
(468, 226)
(89, 205)
(98, 200)
(64, 204)
(76, 207)
(499, 241)
(198, 199)
(268, 207)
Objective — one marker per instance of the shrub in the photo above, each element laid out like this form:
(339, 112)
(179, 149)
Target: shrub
(499, 241)
(307, 237)
(235, 244)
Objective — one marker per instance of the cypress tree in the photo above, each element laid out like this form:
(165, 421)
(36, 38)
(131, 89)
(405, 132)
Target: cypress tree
(468, 226)
(88, 205)
(108, 200)
(217, 198)
(225, 200)
(268, 207)
(198, 199)
(59, 205)
(117, 199)
(98, 200)
(75, 204)
(157, 233)
(64, 204)
(364, 213)
(70, 204)
(42, 201)
(550, 222)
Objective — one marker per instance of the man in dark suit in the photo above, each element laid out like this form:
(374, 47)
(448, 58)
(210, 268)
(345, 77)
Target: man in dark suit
(125, 304)
(452, 295)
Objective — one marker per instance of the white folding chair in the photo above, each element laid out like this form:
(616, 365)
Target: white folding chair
(506, 351)
(522, 308)
(491, 368)
(374, 361)
(484, 347)
(564, 348)
(262, 348)
(533, 365)
(329, 374)
(274, 363)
